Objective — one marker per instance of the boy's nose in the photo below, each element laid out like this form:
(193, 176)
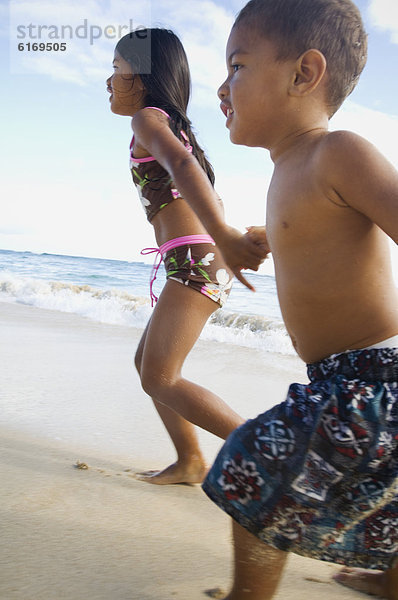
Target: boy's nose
(222, 91)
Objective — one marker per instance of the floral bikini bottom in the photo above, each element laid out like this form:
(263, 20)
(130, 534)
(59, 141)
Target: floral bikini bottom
(194, 261)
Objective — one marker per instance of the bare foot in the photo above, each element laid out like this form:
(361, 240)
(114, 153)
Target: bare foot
(375, 583)
(193, 472)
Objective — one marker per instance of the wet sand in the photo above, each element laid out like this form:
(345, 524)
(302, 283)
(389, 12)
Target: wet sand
(70, 395)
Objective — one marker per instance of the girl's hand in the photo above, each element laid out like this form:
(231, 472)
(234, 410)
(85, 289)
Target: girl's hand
(240, 252)
(258, 235)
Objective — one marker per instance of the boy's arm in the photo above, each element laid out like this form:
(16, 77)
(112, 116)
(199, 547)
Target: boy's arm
(364, 179)
(153, 133)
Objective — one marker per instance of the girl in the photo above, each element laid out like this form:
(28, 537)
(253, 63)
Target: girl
(151, 84)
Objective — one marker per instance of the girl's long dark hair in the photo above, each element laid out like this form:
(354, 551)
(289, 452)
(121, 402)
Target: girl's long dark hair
(158, 56)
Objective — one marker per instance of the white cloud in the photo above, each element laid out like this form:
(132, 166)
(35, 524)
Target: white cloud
(49, 64)
(3, 20)
(90, 32)
(384, 15)
(244, 196)
(74, 216)
(379, 128)
(202, 25)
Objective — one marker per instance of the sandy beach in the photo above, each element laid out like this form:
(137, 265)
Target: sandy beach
(69, 393)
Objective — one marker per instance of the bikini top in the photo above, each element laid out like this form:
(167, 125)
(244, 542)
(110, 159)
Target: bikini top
(154, 184)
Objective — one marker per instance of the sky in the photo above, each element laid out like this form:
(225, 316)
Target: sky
(66, 187)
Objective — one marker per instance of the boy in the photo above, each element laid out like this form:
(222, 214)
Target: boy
(317, 474)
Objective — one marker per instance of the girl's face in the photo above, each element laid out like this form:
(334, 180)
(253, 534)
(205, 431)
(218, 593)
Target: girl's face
(127, 92)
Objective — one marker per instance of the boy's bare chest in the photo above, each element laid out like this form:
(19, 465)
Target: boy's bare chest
(295, 217)
(304, 222)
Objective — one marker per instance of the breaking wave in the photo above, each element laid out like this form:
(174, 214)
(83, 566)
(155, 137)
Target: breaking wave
(118, 307)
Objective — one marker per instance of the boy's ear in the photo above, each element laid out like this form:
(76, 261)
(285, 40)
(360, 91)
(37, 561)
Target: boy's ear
(310, 69)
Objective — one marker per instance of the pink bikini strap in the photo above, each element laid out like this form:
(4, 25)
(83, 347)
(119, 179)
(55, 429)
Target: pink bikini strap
(159, 109)
(147, 158)
(161, 251)
(185, 239)
(154, 272)
(187, 144)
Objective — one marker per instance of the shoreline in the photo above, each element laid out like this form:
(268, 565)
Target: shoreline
(70, 393)
(70, 378)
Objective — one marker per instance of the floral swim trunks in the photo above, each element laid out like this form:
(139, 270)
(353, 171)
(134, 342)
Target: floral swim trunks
(318, 474)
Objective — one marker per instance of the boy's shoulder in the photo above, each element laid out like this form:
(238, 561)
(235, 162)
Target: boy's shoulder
(343, 141)
(351, 170)
(340, 152)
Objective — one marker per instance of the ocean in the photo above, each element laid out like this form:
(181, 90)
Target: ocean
(117, 292)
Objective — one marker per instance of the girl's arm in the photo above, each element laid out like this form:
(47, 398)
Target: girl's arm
(153, 134)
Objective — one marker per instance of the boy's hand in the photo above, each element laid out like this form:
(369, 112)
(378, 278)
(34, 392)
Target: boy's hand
(258, 235)
(240, 252)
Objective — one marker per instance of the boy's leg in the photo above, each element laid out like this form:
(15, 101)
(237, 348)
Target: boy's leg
(376, 583)
(257, 567)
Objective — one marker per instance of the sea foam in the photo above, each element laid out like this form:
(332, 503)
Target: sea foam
(118, 307)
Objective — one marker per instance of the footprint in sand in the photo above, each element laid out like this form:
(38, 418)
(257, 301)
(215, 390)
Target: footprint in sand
(315, 580)
(81, 465)
(216, 593)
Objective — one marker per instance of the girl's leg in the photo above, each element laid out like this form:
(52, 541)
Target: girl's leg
(176, 323)
(257, 567)
(191, 466)
(376, 583)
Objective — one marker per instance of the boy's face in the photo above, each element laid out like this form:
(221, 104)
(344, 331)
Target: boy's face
(256, 90)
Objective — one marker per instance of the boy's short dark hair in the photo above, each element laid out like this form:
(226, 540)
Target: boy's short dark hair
(334, 27)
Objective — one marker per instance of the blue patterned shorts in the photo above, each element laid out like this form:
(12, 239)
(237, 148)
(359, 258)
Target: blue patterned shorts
(318, 474)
